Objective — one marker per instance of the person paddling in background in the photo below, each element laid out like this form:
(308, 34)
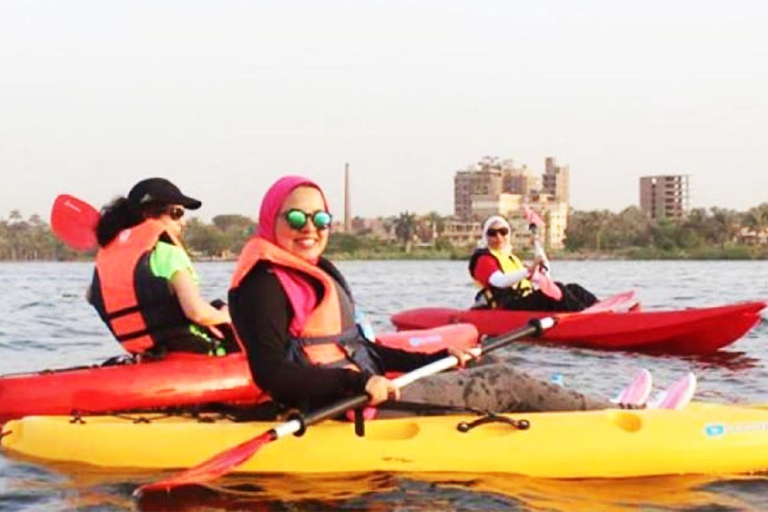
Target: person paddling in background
(506, 281)
(144, 286)
(294, 315)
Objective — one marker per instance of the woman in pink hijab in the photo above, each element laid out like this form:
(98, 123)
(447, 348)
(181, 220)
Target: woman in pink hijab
(294, 312)
(295, 317)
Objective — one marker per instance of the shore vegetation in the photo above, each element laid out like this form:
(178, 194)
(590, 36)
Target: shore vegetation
(704, 234)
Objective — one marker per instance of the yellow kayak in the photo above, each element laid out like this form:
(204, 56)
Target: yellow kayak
(701, 439)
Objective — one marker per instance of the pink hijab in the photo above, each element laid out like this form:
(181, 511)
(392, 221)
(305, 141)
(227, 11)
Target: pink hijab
(273, 201)
(300, 292)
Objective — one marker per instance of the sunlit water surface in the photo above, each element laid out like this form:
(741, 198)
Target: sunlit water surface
(47, 324)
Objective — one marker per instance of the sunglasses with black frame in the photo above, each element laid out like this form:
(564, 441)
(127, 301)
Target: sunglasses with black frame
(491, 232)
(298, 219)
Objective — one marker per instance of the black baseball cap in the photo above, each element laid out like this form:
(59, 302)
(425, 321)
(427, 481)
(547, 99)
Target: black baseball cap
(160, 191)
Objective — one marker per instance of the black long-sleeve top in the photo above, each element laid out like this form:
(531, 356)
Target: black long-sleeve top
(262, 313)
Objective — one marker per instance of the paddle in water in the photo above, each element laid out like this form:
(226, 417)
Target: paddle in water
(227, 460)
(74, 222)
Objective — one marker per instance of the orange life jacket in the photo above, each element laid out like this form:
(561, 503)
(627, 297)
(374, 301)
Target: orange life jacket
(137, 306)
(328, 336)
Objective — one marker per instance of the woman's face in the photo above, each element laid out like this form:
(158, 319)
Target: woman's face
(307, 242)
(173, 217)
(497, 235)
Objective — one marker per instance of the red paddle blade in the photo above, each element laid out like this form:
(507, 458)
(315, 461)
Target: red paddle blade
(211, 469)
(74, 222)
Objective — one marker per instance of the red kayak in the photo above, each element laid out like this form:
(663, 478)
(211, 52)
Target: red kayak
(176, 380)
(686, 331)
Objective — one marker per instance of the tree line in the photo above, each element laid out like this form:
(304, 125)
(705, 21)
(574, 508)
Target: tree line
(703, 233)
(30, 239)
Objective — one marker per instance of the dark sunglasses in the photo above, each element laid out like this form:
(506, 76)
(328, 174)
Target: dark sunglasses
(175, 212)
(297, 219)
(493, 232)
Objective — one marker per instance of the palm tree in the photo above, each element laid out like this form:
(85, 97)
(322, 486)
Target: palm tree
(5, 243)
(437, 221)
(430, 227)
(405, 227)
(757, 217)
(725, 225)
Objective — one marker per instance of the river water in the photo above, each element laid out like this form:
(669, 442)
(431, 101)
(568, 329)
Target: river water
(47, 324)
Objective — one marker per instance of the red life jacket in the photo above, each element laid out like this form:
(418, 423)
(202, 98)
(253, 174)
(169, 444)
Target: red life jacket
(137, 306)
(328, 335)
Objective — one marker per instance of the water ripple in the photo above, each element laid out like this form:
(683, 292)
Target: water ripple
(48, 324)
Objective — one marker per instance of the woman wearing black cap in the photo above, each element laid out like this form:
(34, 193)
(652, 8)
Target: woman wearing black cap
(144, 286)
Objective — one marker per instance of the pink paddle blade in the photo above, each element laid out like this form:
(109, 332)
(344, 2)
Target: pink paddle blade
(679, 394)
(638, 391)
(212, 468)
(74, 222)
(532, 217)
(547, 285)
(620, 303)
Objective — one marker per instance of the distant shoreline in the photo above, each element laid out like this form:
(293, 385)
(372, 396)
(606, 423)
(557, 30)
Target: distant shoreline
(735, 253)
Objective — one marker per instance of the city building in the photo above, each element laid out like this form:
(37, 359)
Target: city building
(494, 186)
(664, 196)
(484, 179)
(556, 181)
(462, 233)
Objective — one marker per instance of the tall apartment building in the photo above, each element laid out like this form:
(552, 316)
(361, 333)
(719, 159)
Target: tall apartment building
(496, 186)
(520, 181)
(556, 181)
(664, 196)
(487, 181)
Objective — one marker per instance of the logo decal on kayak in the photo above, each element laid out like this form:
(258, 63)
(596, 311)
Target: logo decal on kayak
(720, 429)
(424, 340)
(714, 430)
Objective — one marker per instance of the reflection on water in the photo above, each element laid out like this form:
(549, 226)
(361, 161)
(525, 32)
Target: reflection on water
(48, 325)
(380, 492)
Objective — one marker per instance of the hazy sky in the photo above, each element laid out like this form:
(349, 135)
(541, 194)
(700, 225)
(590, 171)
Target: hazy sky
(224, 96)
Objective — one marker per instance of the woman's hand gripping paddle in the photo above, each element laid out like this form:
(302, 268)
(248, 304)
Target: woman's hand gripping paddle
(74, 222)
(227, 460)
(541, 276)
